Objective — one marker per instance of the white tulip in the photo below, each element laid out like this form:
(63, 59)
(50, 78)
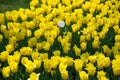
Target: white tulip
(61, 24)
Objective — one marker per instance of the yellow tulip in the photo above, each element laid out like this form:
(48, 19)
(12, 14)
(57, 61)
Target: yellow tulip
(116, 66)
(1, 37)
(26, 51)
(107, 62)
(35, 55)
(117, 38)
(57, 53)
(77, 50)
(4, 56)
(3, 28)
(9, 48)
(14, 67)
(64, 75)
(29, 33)
(106, 50)
(83, 75)
(6, 72)
(82, 38)
(47, 65)
(32, 42)
(2, 18)
(101, 75)
(34, 76)
(91, 69)
(46, 46)
(37, 63)
(24, 60)
(92, 58)
(83, 46)
(78, 65)
(29, 66)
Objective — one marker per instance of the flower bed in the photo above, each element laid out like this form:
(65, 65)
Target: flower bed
(61, 40)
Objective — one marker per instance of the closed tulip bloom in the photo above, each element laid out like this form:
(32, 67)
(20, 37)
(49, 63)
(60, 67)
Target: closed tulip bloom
(6, 72)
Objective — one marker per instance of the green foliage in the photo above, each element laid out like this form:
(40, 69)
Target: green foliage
(8, 5)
